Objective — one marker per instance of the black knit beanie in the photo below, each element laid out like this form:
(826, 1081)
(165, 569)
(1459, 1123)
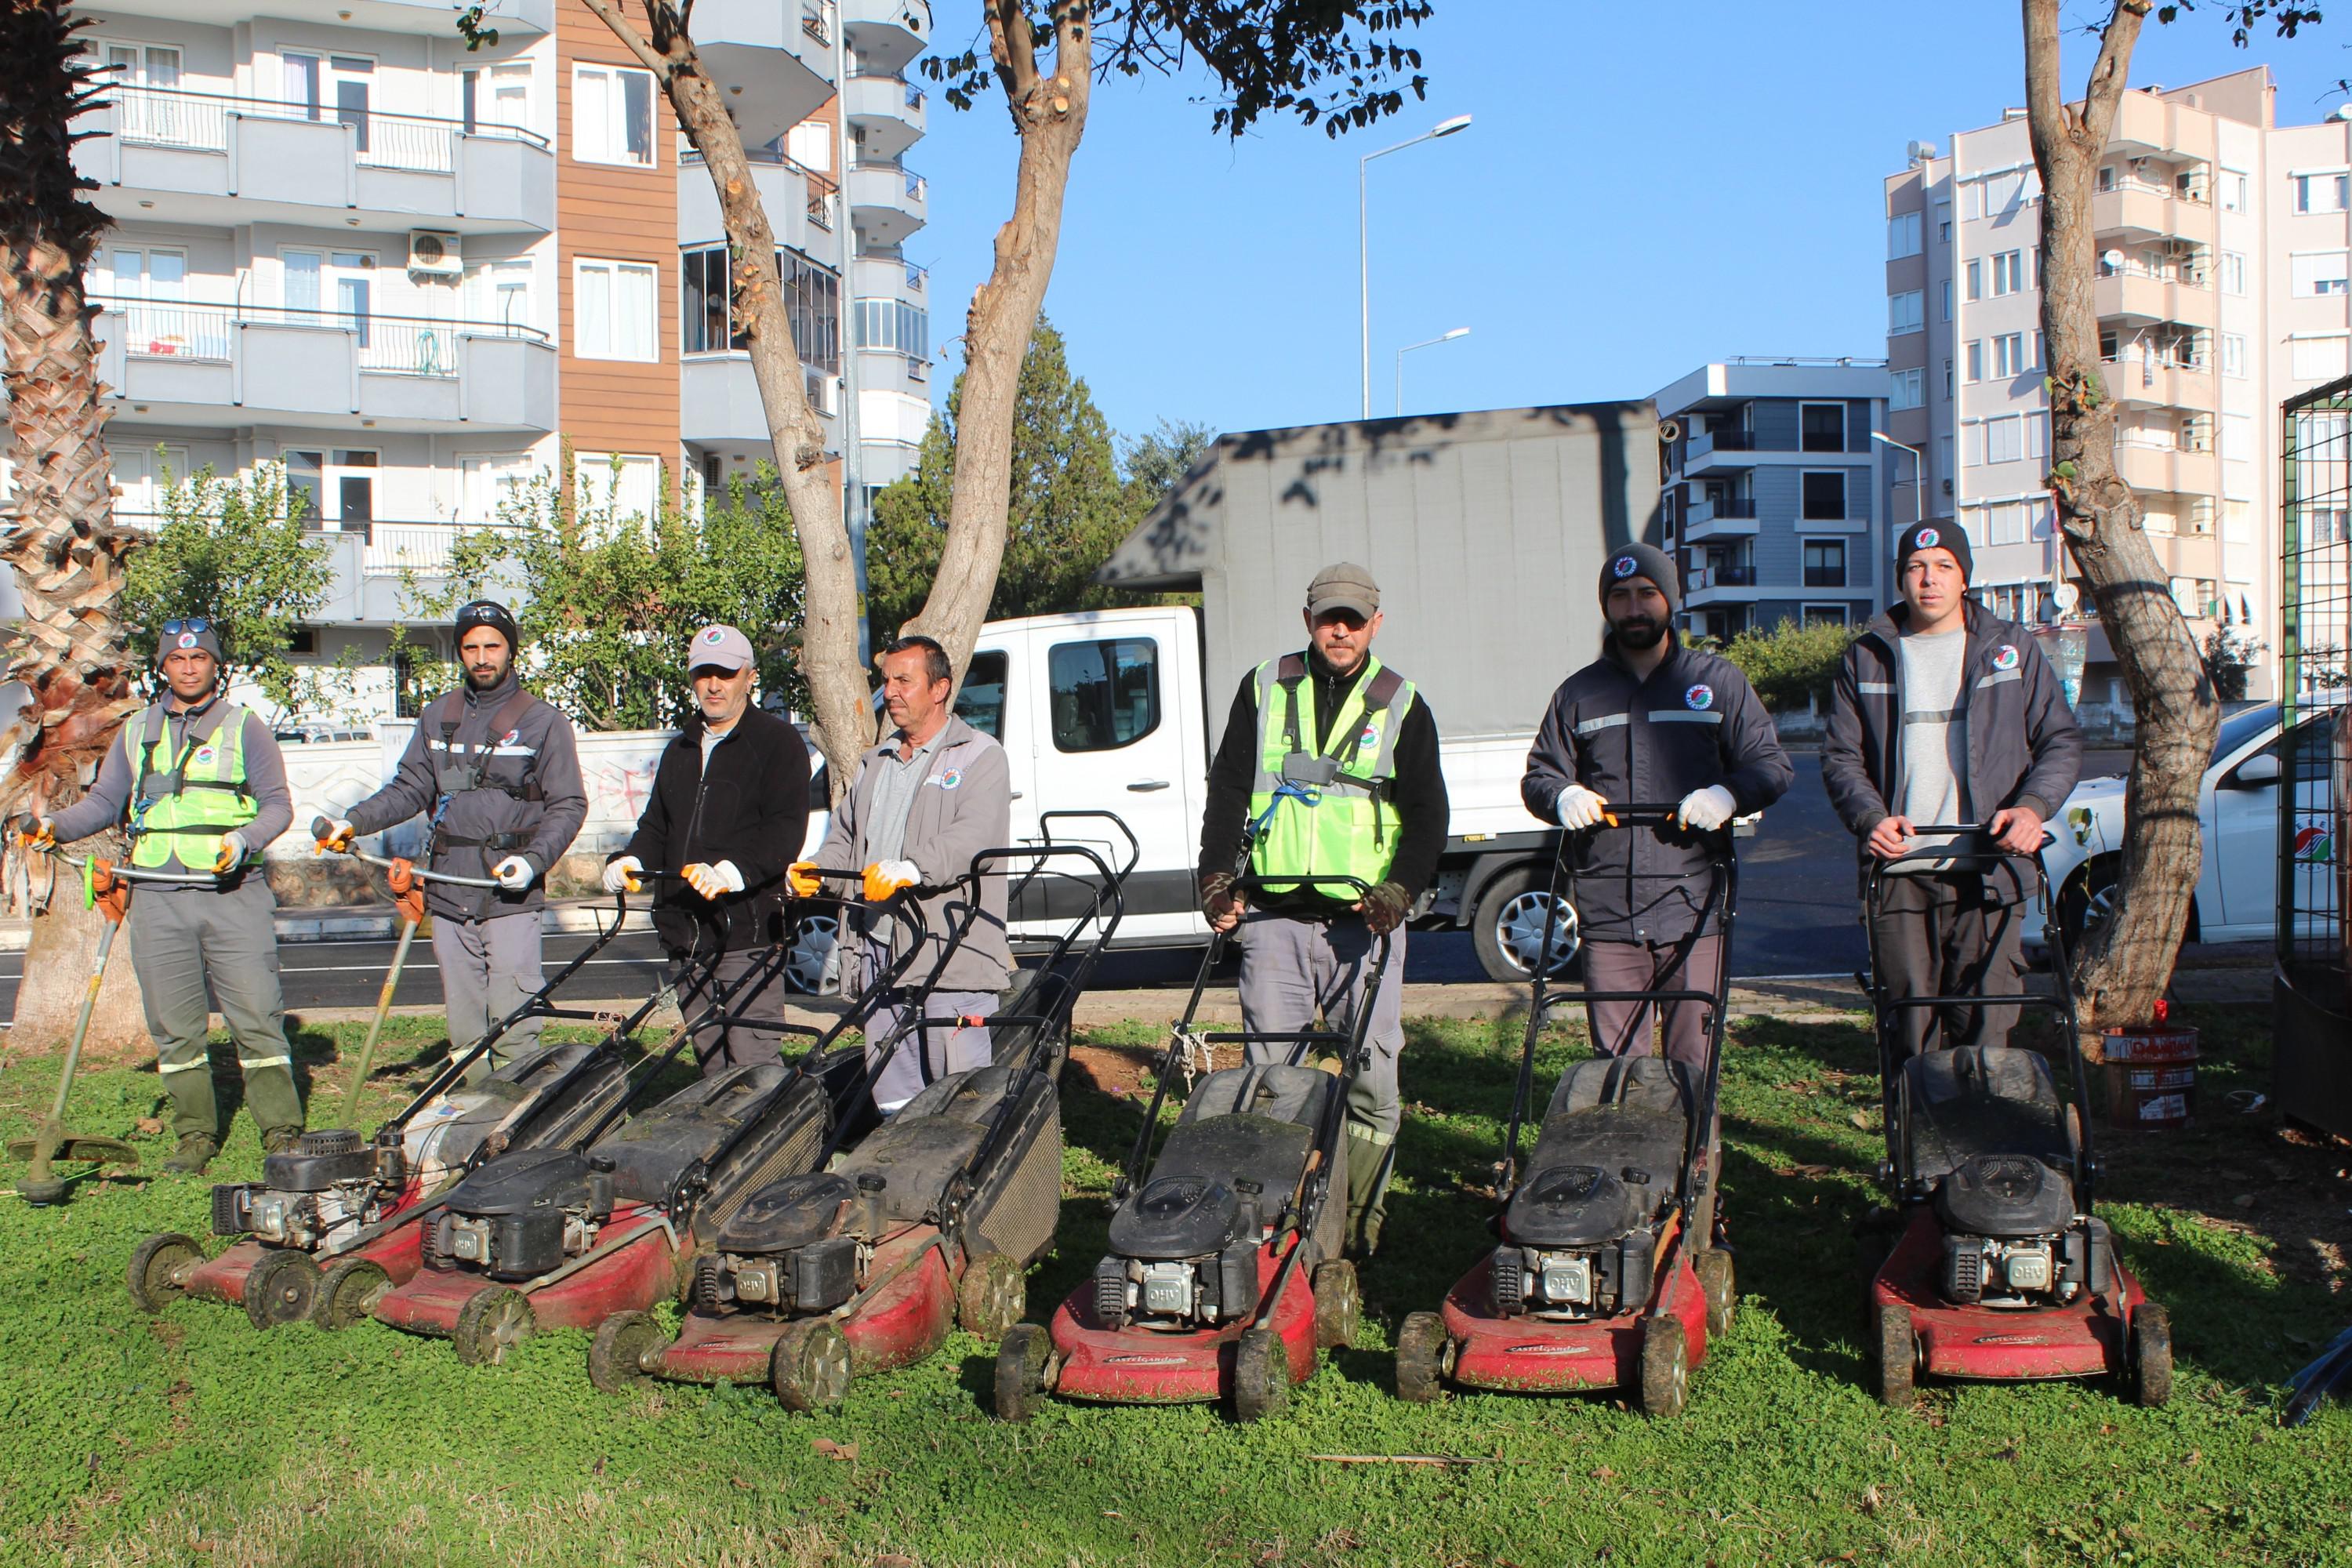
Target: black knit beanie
(1920, 536)
(1642, 561)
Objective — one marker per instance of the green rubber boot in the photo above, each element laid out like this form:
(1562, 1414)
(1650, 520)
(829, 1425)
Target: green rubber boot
(1369, 1164)
(195, 1152)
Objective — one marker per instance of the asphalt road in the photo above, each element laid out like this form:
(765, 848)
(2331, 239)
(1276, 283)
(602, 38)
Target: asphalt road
(1797, 917)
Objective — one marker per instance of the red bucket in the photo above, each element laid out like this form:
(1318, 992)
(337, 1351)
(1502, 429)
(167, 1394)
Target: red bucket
(2152, 1075)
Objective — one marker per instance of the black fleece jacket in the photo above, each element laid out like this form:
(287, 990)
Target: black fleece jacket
(1422, 810)
(750, 806)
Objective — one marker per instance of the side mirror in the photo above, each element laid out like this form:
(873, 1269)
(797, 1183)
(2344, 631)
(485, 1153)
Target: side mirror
(2257, 772)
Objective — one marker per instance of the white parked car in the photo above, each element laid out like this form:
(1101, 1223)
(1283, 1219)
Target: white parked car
(2237, 812)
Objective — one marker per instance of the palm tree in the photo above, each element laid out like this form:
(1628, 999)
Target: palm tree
(59, 535)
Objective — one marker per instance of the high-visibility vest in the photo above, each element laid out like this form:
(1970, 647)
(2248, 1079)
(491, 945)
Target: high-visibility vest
(180, 806)
(1325, 813)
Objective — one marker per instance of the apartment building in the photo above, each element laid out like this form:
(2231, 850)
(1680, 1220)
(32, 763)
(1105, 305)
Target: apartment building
(2224, 256)
(417, 275)
(1774, 492)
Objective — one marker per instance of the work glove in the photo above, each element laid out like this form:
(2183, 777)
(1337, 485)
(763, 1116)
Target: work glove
(1579, 808)
(231, 852)
(885, 878)
(716, 880)
(1706, 809)
(514, 873)
(620, 874)
(35, 832)
(332, 833)
(1385, 907)
(801, 878)
(1219, 902)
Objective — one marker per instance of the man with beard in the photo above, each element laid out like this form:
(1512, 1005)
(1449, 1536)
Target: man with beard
(498, 773)
(1651, 719)
(1330, 759)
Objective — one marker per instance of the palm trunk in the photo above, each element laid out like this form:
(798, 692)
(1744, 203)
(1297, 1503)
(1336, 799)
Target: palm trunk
(2126, 965)
(69, 650)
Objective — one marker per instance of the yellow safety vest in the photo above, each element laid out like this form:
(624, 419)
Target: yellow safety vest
(1328, 814)
(181, 806)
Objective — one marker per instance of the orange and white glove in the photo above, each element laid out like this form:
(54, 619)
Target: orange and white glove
(801, 878)
(333, 834)
(35, 832)
(885, 878)
(1579, 808)
(714, 880)
(230, 853)
(620, 874)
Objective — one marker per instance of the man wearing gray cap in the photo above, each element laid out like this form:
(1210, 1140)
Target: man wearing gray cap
(1330, 762)
(729, 811)
(200, 786)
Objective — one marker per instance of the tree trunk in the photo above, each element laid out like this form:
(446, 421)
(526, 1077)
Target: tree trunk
(2125, 966)
(1049, 113)
(829, 614)
(64, 945)
(69, 650)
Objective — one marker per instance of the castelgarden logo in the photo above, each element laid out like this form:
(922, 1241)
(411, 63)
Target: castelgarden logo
(1623, 567)
(715, 636)
(1925, 539)
(1699, 698)
(2313, 847)
(187, 639)
(950, 779)
(2004, 658)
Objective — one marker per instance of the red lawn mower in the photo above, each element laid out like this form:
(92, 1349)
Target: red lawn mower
(1999, 1271)
(1604, 1277)
(1224, 1279)
(565, 1236)
(330, 1225)
(931, 1220)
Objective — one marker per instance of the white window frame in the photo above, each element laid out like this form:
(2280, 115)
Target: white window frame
(2233, 355)
(2004, 438)
(1906, 312)
(1906, 388)
(2007, 355)
(2319, 190)
(594, 339)
(2236, 190)
(607, 143)
(1903, 234)
(2319, 274)
(2233, 272)
(596, 490)
(487, 482)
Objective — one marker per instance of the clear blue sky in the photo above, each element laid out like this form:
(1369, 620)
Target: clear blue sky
(1645, 188)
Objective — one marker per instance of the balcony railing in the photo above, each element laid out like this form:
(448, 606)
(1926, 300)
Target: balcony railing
(1731, 440)
(1737, 507)
(816, 20)
(917, 187)
(2185, 278)
(913, 97)
(199, 123)
(389, 345)
(1707, 577)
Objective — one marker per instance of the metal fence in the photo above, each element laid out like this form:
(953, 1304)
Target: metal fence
(200, 121)
(2314, 873)
(386, 344)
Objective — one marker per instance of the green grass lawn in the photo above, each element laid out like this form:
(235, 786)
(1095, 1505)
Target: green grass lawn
(192, 1438)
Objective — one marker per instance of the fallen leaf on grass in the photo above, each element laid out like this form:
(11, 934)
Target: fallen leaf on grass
(1860, 1119)
(1604, 1474)
(832, 1450)
(151, 1125)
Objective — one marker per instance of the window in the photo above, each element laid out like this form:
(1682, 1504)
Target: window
(612, 310)
(2009, 273)
(616, 488)
(2234, 193)
(1824, 426)
(1105, 694)
(2005, 524)
(612, 116)
(2237, 522)
(2237, 430)
(2233, 272)
(1976, 280)
(1824, 563)
(1948, 300)
(703, 303)
(147, 106)
(304, 475)
(2004, 439)
(2233, 355)
(488, 482)
(893, 324)
(1825, 615)
(2318, 273)
(1976, 359)
(813, 297)
(2106, 176)
(497, 95)
(2008, 355)
(2319, 192)
(1902, 236)
(1947, 378)
(1972, 434)
(1824, 496)
(810, 144)
(499, 291)
(2316, 359)
(979, 702)
(2037, 435)
(1903, 313)
(1906, 388)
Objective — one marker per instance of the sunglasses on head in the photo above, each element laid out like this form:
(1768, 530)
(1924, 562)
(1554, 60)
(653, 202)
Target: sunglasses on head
(196, 624)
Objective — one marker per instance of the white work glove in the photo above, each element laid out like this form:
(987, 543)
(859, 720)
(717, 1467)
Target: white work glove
(514, 873)
(885, 878)
(1578, 807)
(622, 874)
(719, 877)
(231, 852)
(1706, 809)
(339, 834)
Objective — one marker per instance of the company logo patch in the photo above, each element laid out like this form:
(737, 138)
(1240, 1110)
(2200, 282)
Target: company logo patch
(1926, 538)
(1541, 1347)
(1699, 698)
(951, 779)
(186, 639)
(2004, 658)
(2013, 1339)
(2313, 847)
(1623, 567)
(204, 757)
(509, 738)
(714, 636)
(1367, 738)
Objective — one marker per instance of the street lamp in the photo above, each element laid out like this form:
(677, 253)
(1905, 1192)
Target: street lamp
(1363, 235)
(1918, 475)
(1426, 343)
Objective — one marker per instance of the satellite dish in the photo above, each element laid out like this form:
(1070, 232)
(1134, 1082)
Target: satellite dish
(2066, 596)
(2112, 260)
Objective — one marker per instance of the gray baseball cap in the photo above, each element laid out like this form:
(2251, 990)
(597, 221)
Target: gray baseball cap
(719, 647)
(1343, 585)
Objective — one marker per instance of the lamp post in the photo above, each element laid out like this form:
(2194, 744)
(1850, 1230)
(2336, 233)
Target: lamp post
(1918, 491)
(1363, 236)
(1426, 342)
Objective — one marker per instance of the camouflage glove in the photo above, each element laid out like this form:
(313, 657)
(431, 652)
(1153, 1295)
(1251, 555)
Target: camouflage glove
(1385, 907)
(1219, 902)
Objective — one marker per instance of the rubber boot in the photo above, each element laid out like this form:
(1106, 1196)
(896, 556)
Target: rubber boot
(277, 1139)
(276, 1107)
(195, 1152)
(1368, 1167)
(195, 1112)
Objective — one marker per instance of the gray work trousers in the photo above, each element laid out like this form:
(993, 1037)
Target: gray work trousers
(183, 938)
(1942, 936)
(1292, 971)
(488, 968)
(1622, 1028)
(746, 1005)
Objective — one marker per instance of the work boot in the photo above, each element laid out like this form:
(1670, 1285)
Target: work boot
(195, 1152)
(1368, 1164)
(278, 1140)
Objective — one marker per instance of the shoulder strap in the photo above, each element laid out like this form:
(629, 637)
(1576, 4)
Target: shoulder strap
(1289, 672)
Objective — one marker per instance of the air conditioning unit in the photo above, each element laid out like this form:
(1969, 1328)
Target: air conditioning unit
(436, 253)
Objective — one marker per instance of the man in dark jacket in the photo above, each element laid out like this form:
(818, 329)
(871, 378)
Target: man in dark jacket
(1943, 712)
(729, 811)
(1333, 757)
(1651, 720)
(497, 772)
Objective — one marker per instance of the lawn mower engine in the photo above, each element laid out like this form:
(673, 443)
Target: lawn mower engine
(329, 1184)
(2011, 1238)
(521, 1215)
(785, 1253)
(1581, 1234)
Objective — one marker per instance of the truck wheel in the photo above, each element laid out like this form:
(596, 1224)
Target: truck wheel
(1509, 928)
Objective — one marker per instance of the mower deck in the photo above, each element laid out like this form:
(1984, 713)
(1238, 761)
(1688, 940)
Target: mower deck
(903, 1321)
(631, 1266)
(1538, 1355)
(1141, 1365)
(2089, 1337)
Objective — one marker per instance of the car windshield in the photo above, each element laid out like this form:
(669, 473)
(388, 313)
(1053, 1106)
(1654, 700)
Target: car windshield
(2240, 729)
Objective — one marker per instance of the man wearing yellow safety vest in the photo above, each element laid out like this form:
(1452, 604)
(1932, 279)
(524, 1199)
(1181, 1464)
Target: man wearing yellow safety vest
(1329, 760)
(201, 787)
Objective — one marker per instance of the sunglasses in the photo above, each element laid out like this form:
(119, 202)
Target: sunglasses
(196, 624)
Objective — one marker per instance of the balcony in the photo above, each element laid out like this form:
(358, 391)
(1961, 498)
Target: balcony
(2152, 463)
(369, 566)
(223, 366)
(514, 19)
(773, 58)
(888, 201)
(2141, 209)
(1731, 518)
(887, 278)
(793, 196)
(175, 157)
(2133, 294)
(1708, 450)
(886, 34)
(1721, 585)
(718, 404)
(2154, 381)
(888, 110)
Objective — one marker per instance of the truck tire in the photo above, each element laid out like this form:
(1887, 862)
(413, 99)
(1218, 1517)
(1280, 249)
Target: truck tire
(1507, 926)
